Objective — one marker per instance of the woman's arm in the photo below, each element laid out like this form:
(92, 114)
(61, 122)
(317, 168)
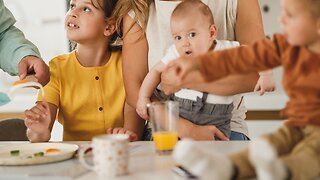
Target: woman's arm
(135, 58)
(249, 27)
(133, 122)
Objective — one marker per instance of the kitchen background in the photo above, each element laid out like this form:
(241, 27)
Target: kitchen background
(42, 23)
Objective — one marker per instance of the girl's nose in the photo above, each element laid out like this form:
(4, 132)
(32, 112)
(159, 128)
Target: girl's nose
(73, 13)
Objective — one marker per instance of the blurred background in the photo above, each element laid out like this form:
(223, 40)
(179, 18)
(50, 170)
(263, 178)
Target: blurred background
(42, 23)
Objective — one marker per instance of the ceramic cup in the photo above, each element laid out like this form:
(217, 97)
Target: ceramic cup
(110, 155)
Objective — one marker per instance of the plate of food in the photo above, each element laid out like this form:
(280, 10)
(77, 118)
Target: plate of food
(36, 153)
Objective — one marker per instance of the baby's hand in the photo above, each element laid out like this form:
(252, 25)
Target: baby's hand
(142, 107)
(132, 136)
(265, 83)
(38, 118)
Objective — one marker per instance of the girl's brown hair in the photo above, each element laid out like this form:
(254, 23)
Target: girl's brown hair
(108, 7)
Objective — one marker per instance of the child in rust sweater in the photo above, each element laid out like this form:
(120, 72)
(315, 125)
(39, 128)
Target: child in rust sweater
(293, 151)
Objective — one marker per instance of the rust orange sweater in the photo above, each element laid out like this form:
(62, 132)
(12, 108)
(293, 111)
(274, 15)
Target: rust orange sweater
(301, 77)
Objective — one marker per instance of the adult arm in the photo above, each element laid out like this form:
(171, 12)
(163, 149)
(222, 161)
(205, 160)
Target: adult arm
(133, 123)
(16, 50)
(13, 45)
(135, 60)
(249, 27)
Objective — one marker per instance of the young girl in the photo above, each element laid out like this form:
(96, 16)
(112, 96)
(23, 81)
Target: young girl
(86, 85)
(292, 152)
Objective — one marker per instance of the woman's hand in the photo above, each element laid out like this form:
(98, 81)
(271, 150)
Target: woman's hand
(197, 132)
(132, 136)
(38, 118)
(265, 83)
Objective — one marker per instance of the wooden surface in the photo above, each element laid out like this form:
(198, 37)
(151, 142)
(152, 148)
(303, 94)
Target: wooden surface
(12, 116)
(263, 115)
(251, 115)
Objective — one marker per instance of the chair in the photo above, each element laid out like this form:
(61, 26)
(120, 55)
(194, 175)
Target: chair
(13, 130)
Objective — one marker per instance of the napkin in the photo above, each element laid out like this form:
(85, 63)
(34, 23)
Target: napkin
(201, 163)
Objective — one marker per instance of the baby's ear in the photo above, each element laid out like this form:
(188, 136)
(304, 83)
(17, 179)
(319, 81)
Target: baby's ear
(213, 31)
(109, 29)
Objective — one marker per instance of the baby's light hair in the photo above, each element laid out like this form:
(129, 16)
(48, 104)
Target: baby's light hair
(314, 7)
(186, 5)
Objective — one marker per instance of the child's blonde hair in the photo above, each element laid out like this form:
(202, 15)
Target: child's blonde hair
(186, 5)
(140, 9)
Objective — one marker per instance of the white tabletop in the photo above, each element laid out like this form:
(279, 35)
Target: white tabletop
(144, 163)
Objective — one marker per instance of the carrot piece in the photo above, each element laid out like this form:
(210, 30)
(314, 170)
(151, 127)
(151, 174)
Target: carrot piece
(20, 82)
(52, 150)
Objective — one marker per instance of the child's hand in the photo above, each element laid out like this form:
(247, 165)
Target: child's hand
(183, 66)
(265, 83)
(38, 118)
(142, 107)
(132, 136)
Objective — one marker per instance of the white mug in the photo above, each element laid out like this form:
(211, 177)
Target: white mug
(110, 155)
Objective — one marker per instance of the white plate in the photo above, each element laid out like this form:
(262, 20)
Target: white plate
(26, 153)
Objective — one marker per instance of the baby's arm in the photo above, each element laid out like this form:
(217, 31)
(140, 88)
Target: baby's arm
(39, 121)
(149, 84)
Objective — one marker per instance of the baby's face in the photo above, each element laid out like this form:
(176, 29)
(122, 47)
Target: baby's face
(192, 33)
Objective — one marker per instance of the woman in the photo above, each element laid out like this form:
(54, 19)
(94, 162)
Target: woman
(146, 36)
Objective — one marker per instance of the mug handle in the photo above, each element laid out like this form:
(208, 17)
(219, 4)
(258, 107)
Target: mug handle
(83, 161)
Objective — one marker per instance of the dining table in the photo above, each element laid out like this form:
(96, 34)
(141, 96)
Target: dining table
(144, 163)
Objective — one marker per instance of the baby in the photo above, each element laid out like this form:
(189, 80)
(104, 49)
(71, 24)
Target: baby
(194, 33)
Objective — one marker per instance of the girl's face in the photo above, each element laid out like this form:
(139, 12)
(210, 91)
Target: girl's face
(297, 23)
(192, 33)
(85, 21)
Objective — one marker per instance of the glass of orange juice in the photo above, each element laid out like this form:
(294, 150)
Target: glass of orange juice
(164, 116)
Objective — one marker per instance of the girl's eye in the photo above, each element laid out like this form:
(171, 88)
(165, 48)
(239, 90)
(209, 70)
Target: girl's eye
(86, 9)
(193, 34)
(177, 38)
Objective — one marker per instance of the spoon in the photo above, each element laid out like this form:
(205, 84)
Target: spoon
(7, 97)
